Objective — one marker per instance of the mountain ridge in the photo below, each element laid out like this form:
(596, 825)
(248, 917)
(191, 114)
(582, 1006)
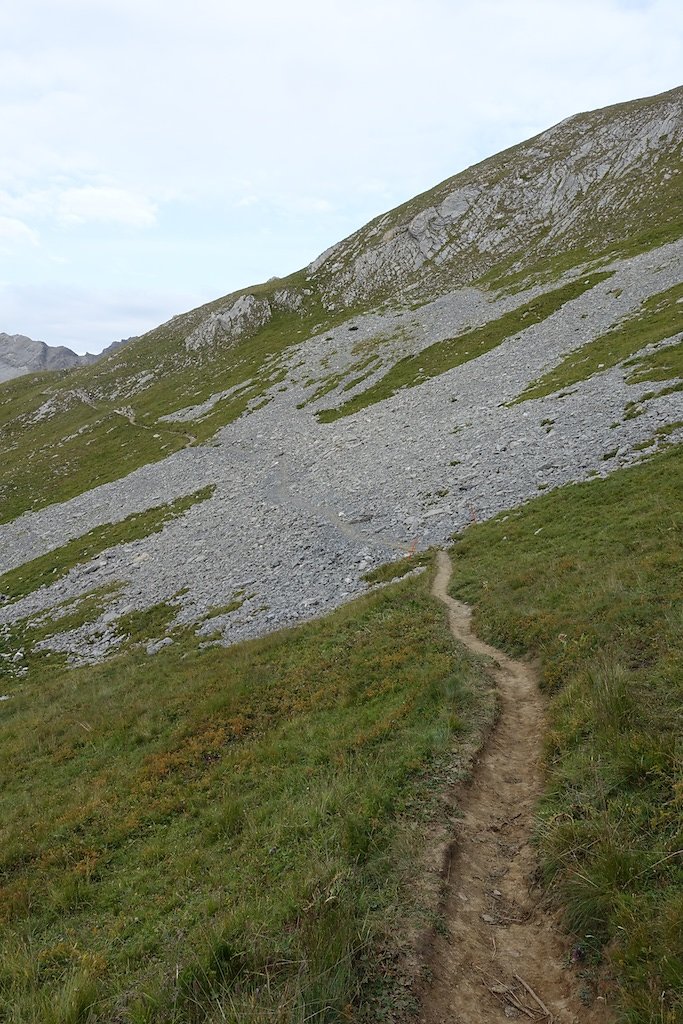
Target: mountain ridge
(21, 355)
(232, 727)
(545, 191)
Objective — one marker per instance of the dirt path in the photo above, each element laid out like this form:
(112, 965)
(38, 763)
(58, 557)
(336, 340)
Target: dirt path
(502, 957)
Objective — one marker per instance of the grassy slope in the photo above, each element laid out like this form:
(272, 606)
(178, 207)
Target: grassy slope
(659, 317)
(230, 832)
(81, 447)
(446, 355)
(48, 568)
(589, 578)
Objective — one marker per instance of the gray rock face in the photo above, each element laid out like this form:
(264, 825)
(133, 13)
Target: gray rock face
(567, 185)
(244, 316)
(20, 355)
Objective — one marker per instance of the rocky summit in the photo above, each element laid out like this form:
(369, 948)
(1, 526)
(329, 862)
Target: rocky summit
(516, 328)
(20, 355)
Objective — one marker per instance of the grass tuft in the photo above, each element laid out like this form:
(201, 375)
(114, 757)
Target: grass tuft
(49, 568)
(659, 317)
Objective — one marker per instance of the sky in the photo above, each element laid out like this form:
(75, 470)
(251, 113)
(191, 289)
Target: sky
(157, 154)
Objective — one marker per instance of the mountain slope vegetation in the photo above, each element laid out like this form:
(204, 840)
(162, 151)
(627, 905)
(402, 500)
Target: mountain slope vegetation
(599, 185)
(589, 580)
(230, 761)
(287, 782)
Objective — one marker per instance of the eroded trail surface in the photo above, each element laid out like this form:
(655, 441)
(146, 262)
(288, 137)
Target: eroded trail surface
(502, 957)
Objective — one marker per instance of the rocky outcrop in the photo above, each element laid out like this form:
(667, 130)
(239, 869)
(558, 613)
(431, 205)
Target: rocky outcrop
(241, 317)
(593, 179)
(20, 355)
(244, 316)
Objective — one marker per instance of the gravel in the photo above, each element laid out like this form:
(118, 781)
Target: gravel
(302, 510)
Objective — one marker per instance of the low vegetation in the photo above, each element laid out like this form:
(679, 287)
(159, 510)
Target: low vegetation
(446, 355)
(63, 434)
(664, 364)
(53, 459)
(659, 317)
(352, 375)
(26, 634)
(391, 571)
(229, 835)
(588, 579)
(57, 563)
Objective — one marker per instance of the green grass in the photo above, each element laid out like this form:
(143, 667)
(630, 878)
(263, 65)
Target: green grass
(48, 568)
(226, 609)
(334, 380)
(659, 317)
(589, 580)
(446, 355)
(547, 270)
(56, 459)
(666, 364)
(395, 570)
(229, 834)
(144, 624)
(87, 442)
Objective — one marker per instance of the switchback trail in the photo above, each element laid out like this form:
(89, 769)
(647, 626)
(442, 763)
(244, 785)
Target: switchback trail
(502, 956)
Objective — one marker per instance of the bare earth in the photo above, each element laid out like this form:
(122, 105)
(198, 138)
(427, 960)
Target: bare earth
(503, 956)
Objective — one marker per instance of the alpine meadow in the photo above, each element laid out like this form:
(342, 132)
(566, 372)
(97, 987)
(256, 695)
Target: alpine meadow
(341, 623)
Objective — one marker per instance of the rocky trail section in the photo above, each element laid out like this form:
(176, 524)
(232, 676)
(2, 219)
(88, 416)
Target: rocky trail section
(501, 956)
(303, 510)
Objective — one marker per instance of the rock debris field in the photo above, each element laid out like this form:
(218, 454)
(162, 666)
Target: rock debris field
(302, 510)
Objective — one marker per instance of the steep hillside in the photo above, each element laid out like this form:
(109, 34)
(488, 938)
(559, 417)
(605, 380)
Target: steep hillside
(604, 182)
(268, 458)
(597, 187)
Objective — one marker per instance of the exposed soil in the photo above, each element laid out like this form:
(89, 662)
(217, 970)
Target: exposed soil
(503, 955)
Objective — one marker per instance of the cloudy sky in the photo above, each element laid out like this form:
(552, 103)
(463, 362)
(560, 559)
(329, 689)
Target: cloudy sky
(159, 153)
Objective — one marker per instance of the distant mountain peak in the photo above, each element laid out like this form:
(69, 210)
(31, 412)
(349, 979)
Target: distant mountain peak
(20, 355)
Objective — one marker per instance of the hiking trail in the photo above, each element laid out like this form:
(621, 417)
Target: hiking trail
(503, 955)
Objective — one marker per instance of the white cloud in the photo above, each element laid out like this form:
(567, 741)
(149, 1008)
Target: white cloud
(106, 206)
(86, 319)
(14, 232)
(203, 129)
